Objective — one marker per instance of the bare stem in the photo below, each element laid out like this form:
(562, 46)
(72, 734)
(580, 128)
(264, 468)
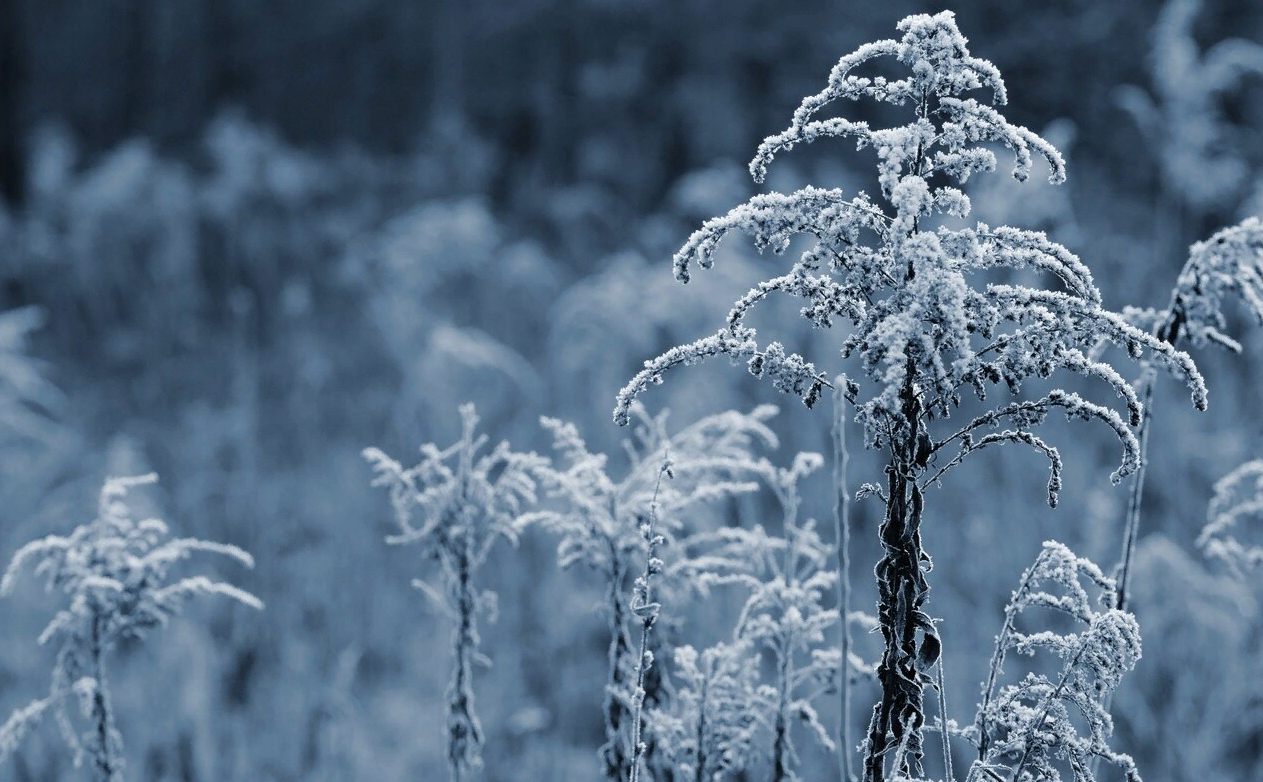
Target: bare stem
(464, 735)
(949, 775)
(614, 752)
(842, 534)
(107, 766)
(780, 744)
(1137, 489)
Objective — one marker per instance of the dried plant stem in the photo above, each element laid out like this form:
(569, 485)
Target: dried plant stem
(638, 746)
(614, 752)
(699, 773)
(1132, 530)
(785, 660)
(780, 743)
(911, 640)
(1168, 331)
(464, 734)
(949, 775)
(107, 766)
(842, 534)
(644, 607)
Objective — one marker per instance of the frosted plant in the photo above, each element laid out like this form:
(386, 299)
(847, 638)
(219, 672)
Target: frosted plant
(1228, 263)
(1023, 730)
(715, 722)
(923, 330)
(464, 502)
(113, 570)
(1192, 142)
(599, 518)
(1238, 496)
(787, 579)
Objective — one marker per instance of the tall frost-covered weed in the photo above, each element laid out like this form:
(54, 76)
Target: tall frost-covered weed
(923, 325)
(1229, 263)
(454, 505)
(113, 570)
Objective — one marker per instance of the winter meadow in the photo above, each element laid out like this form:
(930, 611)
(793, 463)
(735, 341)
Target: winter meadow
(637, 391)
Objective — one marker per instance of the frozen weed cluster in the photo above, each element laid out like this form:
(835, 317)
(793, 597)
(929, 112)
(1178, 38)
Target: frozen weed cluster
(928, 318)
(113, 570)
(926, 323)
(922, 326)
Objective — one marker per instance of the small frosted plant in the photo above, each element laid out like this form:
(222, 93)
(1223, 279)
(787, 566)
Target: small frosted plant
(784, 614)
(113, 570)
(462, 503)
(713, 727)
(1238, 497)
(599, 519)
(1023, 730)
(924, 327)
(1229, 263)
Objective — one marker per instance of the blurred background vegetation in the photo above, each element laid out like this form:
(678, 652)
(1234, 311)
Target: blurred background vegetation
(241, 240)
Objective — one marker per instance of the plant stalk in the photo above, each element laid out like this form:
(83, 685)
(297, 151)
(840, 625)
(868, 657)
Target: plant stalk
(842, 534)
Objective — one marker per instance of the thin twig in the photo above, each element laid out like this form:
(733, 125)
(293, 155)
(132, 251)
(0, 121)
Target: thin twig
(949, 775)
(1137, 489)
(842, 534)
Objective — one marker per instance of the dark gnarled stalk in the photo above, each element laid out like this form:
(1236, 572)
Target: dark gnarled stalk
(911, 641)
